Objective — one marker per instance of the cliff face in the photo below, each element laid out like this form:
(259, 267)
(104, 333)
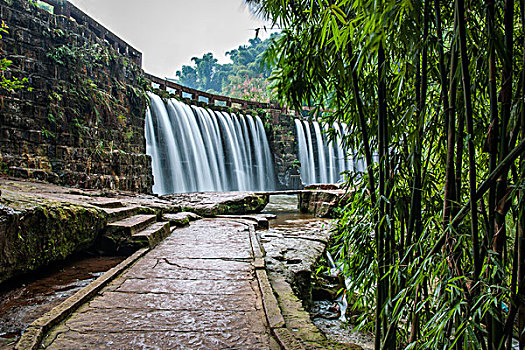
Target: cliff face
(80, 119)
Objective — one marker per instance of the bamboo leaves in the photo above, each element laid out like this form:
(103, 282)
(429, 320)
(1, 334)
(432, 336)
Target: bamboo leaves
(434, 90)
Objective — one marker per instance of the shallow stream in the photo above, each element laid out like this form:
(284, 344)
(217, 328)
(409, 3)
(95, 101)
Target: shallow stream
(24, 300)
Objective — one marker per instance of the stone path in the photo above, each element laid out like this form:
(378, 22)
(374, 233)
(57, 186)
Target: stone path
(196, 290)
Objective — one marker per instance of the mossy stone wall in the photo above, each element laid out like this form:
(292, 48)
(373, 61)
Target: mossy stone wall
(82, 123)
(281, 133)
(44, 234)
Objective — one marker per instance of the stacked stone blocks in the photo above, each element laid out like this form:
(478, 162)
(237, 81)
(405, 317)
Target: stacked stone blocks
(82, 122)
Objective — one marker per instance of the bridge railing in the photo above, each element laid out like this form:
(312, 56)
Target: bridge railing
(211, 99)
(67, 9)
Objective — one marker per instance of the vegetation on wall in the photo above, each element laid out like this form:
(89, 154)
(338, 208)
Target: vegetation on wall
(10, 84)
(432, 243)
(79, 102)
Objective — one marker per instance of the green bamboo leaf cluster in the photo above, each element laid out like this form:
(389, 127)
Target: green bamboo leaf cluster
(432, 242)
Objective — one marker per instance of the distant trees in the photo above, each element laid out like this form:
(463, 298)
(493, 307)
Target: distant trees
(246, 77)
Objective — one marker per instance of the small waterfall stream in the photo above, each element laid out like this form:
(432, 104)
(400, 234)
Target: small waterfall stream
(323, 161)
(195, 149)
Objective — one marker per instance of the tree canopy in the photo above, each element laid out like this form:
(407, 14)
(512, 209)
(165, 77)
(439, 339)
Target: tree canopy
(246, 77)
(432, 243)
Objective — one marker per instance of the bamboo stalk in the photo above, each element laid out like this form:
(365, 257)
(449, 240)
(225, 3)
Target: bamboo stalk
(382, 283)
(450, 116)
(470, 129)
(415, 226)
(363, 126)
(521, 212)
(482, 189)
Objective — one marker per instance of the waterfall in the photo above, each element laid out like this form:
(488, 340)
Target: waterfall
(195, 149)
(152, 149)
(323, 167)
(262, 143)
(310, 152)
(303, 152)
(330, 156)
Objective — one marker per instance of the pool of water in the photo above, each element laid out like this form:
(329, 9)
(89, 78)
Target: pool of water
(288, 215)
(24, 300)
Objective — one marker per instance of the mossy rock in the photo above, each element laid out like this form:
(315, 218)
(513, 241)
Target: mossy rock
(44, 234)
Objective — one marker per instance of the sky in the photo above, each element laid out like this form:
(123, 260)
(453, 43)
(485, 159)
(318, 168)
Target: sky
(170, 32)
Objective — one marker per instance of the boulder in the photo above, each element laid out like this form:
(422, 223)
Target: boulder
(321, 203)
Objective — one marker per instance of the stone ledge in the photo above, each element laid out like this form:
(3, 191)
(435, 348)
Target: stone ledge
(289, 322)
(213, 204)
(34, 334)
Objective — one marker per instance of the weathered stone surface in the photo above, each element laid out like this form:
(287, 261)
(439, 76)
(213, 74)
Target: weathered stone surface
(190, 302)
(116, 214)
(173, 265)
(321, 203)
(292, 250)
(212, 204)
(296, 318)
(222, 250)
(170, 300)
(260, 221)
(199, 281)
(271, 306)
(170, 286)
(43, 223)
(127, 320)
(178, 270)
(281, 135)
(233, 339)
(33, 335)
(152, 235)
(324, 187)
(42, 234)
(83, 123)
(129, 234)
(179, 219)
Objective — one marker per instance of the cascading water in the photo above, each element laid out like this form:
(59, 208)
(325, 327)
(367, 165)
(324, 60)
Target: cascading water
(322, 161)
(194, 149)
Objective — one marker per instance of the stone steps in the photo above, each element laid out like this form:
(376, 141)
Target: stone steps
(132, 224)
(116, 214)
(152, 235)
(103, 202)
(134, 232)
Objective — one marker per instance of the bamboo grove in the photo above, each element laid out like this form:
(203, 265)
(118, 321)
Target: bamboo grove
(432, 240)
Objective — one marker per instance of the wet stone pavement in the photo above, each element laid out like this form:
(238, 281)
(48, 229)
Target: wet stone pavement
(196, 290)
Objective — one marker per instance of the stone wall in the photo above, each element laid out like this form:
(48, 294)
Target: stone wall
(80, 122)
(281, 135)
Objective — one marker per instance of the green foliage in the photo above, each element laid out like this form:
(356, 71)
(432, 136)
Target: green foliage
(42, 5)
(10, 84)
(246, 77)
(422, 277)
(47, 134)
(83, 97)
